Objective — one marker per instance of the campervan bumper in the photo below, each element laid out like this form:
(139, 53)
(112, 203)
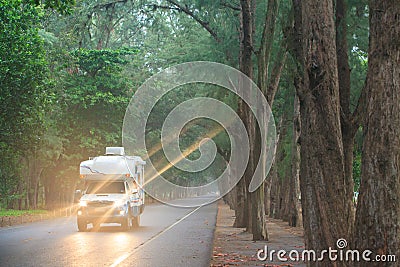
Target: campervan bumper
(108, 214)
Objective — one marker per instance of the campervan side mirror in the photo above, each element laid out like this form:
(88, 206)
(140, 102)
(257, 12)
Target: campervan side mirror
(77, 196)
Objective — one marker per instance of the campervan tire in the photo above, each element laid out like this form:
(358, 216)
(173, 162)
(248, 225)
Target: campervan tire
(82, 225)
(136, 221)
(126, 223)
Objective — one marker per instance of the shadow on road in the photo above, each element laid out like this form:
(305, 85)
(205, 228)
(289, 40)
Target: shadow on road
(113, 228)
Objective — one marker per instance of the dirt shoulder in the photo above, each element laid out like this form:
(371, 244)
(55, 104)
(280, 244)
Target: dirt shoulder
(235, 247)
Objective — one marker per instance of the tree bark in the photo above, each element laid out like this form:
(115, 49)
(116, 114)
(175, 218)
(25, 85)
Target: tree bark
(254, 202)
(246, 66)
(349, 126)
(378, 211)
(267, 194)
(269, 88)
(274, 191)
(322, 182)
(295, 217)
(266, 45)
(243, 209)
(241, 213)
(284, 189)
(273, 179)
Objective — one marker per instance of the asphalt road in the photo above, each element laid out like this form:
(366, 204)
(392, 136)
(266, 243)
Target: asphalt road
(168, 236)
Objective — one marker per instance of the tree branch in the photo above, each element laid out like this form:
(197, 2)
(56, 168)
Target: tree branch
(155, 7)
(236, 8)
(109, 4)
(264, 53)
(190, 13)
(358, 115)
(277, 68)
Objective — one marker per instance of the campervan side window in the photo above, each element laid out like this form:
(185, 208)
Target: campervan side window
(105, 188)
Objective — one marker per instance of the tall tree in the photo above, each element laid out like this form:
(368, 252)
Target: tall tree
(349, 120)
(250, 206)
(23, 91)
(378, 212)
(295, 218)
(243, 209)
(322, 181)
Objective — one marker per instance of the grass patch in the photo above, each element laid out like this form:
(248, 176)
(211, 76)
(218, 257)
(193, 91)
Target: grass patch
(4, 212)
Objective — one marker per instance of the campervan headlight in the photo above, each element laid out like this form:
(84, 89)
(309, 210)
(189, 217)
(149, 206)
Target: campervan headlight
(83, 203)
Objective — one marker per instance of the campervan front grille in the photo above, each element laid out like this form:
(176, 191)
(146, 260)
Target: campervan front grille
(100, 203)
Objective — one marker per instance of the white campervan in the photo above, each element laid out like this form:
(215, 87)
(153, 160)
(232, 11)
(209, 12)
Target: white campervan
(113, 190)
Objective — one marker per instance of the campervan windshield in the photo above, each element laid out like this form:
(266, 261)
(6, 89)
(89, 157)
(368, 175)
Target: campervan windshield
(102, 187)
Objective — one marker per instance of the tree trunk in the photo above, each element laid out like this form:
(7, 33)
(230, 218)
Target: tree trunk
(322, 182)
(284, 198)
(273, 179)
(295, 218)
(267, 195)
(27, 184)
(274, 191)
(378, 211)
(269, 88)
(241, 211)
(254, 202)
(280, 181)
(246, 66)
(349, 126)
(259, 220)
(266, 46)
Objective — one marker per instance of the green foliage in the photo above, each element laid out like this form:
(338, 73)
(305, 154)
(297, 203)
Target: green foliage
(95, 89)
(9, 175)
(357, 171)
(23, 72)
(91, 62)
(183, 39)
(4, 213)
(23, 93)
(358, 27)
(62, 6)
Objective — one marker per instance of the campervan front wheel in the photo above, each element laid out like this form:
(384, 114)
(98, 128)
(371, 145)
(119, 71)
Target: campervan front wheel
(136, 221)
(126, 223)
(82, 224)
